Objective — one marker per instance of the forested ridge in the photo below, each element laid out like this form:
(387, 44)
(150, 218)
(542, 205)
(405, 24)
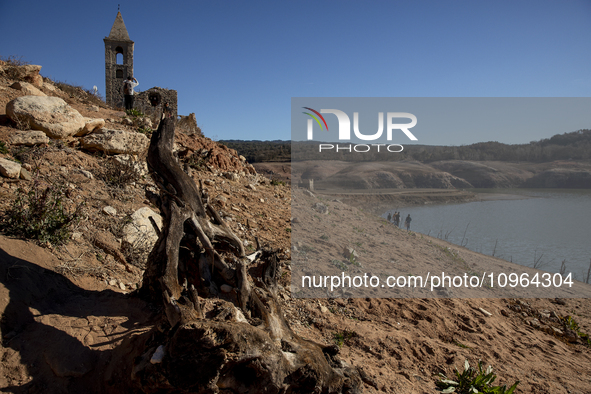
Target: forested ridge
(568, 146)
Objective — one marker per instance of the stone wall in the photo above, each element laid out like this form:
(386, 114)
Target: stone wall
(142, 102)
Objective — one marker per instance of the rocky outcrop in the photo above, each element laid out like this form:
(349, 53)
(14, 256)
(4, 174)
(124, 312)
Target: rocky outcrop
(188, 125)
(28, 73)
(29, 138)
(49, 114)
(115, 142)
(27, 88)
(201, 151)
(90, 126)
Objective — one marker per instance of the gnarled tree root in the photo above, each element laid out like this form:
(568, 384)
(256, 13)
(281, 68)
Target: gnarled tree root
(210, 342)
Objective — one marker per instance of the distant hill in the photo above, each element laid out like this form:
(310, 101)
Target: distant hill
(568, 146)
(261, 151)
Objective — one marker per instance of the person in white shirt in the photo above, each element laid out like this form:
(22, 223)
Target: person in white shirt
(128, 86)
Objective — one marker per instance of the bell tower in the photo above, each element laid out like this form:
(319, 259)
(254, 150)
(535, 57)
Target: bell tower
(118, 61)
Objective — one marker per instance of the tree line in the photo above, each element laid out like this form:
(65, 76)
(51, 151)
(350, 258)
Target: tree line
(568, 146)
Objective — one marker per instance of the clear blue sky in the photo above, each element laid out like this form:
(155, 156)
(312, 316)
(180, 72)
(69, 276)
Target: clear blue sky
(237, 64)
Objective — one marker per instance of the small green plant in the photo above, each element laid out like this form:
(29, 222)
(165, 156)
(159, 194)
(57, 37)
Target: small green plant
(339, 264)
(145, 130)
(288, 230)
(473, 380)
(571, 323)
(40, 214)
(3, 148)
(462, 345)
(324, 237)
(341, 337)
(276, 182)
(134, 113)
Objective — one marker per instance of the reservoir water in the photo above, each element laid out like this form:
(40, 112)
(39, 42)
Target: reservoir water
(542, 229)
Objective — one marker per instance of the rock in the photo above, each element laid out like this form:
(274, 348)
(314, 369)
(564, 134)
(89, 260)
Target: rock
(534, 323)
(209, 182)
(29, 138)
(309, 193)
(146, 122)
(131, 163)
(109, 210)
(232, 176)
(115, 142)
(139, 235)
(570, 335)
(76, 235)
(320, 208)
(90, 126)
(27, 88)
(221, 200)
(94, 108)
(324, 310)
(87, 174)
(295, 220)
(122, 286)
(49, 114)
(158, 355)
(487, 313)
(226, 288)
(26, 175)
(113, 282)
(10, 169)
(251, 187)
(504, 313)
(28, 73)
(348, 252)
(556, 331)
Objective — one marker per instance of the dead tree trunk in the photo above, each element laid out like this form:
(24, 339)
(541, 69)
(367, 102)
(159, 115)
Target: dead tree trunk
(212, 342)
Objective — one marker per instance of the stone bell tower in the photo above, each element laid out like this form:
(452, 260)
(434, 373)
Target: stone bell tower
(118, 61)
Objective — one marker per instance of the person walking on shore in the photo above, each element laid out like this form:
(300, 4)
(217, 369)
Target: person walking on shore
(128, 86)
(407, 222)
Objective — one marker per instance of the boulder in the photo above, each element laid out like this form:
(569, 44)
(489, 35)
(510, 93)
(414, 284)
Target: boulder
(90, 126)
(10, 169)
(49, 114)
(29, 138)
(27, 88)
(139, 234)
(28, 73)
(115, 142)
(130, 163)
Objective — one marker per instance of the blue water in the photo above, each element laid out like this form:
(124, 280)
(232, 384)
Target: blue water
(544, 229)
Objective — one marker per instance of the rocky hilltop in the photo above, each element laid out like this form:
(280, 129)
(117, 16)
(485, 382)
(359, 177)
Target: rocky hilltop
(72, 320)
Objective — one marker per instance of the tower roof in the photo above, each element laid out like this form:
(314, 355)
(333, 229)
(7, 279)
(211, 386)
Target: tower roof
(118, 31)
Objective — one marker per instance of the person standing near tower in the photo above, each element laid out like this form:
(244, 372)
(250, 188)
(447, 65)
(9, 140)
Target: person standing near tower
(128, 86)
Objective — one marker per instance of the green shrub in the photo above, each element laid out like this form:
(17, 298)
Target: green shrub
(134, 113)
(3, 148)
(40, 214)
(473, 381)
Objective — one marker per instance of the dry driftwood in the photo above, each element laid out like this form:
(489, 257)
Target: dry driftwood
(212, 342)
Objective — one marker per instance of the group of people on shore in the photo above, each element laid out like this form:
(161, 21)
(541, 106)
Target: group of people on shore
(395, 218)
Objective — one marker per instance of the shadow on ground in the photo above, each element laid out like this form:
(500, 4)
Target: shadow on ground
(70, 340)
